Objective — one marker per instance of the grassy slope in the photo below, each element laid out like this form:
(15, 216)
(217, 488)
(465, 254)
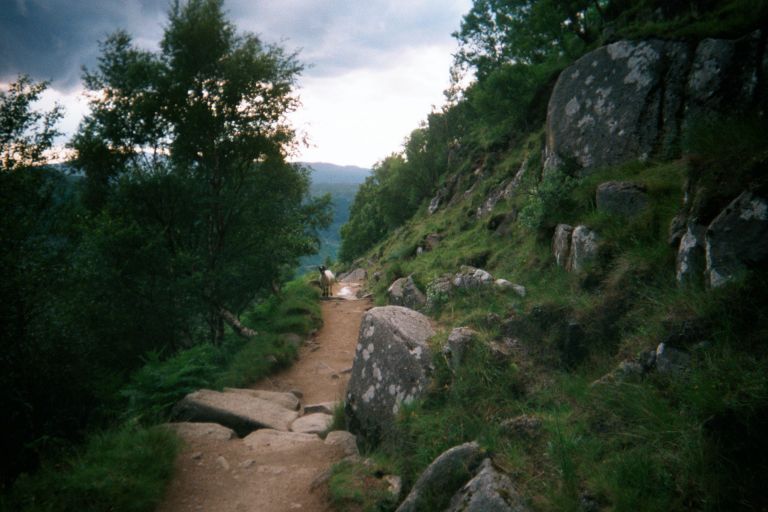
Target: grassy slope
(657, 443)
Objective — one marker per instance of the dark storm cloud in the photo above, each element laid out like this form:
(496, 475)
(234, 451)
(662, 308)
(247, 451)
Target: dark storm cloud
(53, 39)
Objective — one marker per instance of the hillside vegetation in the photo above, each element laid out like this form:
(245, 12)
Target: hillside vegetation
(566, 384)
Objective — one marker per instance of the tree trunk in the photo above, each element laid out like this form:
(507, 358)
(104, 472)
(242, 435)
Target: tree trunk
(234, 323)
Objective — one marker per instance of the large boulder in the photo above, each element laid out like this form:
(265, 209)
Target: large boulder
(404, 292)
(238, 411)
(690, 255)
(621, 198)
(584, 248)
(561, 244)
(489, 491)
(737, 239)
(447, 473)
(631, 100)
(392, 366)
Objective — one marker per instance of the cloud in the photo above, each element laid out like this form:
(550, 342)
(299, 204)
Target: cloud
(374, 67)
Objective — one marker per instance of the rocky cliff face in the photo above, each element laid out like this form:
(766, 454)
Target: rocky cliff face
(632, 99)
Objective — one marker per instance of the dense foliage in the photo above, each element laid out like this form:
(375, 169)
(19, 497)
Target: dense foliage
(182, 207)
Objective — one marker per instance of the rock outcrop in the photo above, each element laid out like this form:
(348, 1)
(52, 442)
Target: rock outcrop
(240, 412)
(561, 244)
(631, 100)
(392, 366)
(621, 198)
(459, 340)
(489, 491)
(404, 292)
(584, 247)
(287, 400)
(737, 239)
(471, 277)
(447, 473)
(313, 423)
(690, 255)
(276, 440)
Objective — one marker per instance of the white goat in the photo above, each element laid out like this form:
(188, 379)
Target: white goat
(326, 281)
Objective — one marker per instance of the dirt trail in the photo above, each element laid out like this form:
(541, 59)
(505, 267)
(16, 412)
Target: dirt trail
(229, 476)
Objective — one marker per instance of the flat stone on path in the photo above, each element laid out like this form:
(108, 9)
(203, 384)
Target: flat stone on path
(277, 440)
(240, 412)
(187, 430)
(324, 407)
(312, 423)
(287, 400)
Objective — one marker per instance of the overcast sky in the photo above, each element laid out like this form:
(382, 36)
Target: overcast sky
(375, 67)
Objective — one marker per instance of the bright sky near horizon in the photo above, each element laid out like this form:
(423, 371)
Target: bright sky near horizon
(374, 69)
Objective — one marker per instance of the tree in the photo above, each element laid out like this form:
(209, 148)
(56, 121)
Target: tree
(25, 134)
(190, 143)
(497, 32)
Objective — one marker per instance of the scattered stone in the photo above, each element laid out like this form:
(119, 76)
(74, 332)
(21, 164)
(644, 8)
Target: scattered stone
(287, 400)
(392, 365)
(247, 463)
(671, 360)
(404, 292)
(621, 198)
(197, 455)
(438, 291)
(584, 247)
(189, 431)
(346, 440)
(489, 491)
(503, 349)
(561, 244)
(690, 255)
(447, 473)
(737, 239)
(525, 426)
(346, 371)
(276, 440)
(629, 370)
(222, 462)
(314, 423)
(323, 407)
(471, 277)
(297, 393)
(395, 486)
(431, 241)
(458, 342)
(239, 411)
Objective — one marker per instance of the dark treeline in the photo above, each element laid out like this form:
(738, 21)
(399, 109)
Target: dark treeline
(510, 54)
(182, 209)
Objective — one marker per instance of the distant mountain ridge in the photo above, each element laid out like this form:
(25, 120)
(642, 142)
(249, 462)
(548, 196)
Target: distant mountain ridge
(332, 173)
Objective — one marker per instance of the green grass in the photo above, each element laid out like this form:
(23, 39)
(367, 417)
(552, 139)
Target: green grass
(122, 470)
(358, 487)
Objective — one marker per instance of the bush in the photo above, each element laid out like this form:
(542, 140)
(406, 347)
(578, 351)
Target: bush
(121, 470)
